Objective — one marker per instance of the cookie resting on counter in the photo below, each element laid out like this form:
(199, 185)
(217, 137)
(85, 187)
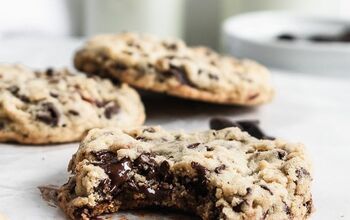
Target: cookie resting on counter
(56, 106)
(223, 174)
(170, 66)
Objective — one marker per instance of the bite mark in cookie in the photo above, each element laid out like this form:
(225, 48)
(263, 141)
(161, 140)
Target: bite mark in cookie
(224, 174)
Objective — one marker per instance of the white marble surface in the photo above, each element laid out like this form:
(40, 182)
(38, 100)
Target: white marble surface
(311, 109)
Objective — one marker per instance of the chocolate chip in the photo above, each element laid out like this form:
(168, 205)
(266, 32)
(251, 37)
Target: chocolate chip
(146, 165)
(308, 206)
(150, 130)
(281, 154)
(219, 168)
(54, 95)
(73, 112)
(286, 208)
(250, 126)
(111, 110)
(253, 96)
(48, 114)
(15, 91)
(213, 77)
(301, 172)
(49, 72)
(118, 172)
(286, 37)
(170, 46)
(238, 207)
(2, 125)
(199, 168)
(192, 146)
(120, 66)
(267, 189)
(180, 74)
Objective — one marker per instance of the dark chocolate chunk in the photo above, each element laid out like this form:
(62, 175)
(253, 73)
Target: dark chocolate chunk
(219, 168)
(146, 165)
(250, 126)
(118, 172)
(281, 154)
(267, 189)
(286, 37)
(13, 89)
(238, 207)
(48, 114)
(120, 66)
(199, 168)
(111, 110)
(213, 77)
(2, 125)
(49, 72)
(192, 146)
(180, 74)
(308, 206)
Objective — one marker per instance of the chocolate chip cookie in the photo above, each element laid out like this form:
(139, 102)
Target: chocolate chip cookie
(55, 106)
(170, 66)
(223, 174)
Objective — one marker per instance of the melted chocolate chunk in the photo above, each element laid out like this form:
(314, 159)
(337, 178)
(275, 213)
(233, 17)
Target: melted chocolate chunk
(146, 165)
(250, 126)
(192, 146)
(219, 168)
(267, 189)
(180, 74)
(48, 114)
(111, 110)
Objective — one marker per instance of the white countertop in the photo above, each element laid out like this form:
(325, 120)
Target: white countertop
(314, 110)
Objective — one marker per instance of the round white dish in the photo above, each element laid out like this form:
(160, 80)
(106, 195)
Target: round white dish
(254, 36)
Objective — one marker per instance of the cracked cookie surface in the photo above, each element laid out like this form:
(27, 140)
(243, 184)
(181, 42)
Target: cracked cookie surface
(56, 106)
(170, 66)
(224, 174)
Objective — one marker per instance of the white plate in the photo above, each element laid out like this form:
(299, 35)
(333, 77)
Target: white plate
(253, 35)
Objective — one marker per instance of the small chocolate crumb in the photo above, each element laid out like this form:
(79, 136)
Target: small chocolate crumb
(286, 37)
(2, 125)
(238, 208)
(219, 168)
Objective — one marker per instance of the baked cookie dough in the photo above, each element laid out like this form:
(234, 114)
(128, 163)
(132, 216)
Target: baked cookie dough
(224, 174)
(56, 106)
(170, 66)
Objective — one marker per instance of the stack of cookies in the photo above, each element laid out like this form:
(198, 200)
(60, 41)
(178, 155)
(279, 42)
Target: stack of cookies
(122, 165)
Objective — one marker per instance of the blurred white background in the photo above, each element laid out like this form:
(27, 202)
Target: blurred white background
(197, 21)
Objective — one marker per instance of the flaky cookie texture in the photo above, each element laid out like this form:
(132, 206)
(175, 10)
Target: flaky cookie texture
(225, 174)
(170, 66)
(55, 106)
